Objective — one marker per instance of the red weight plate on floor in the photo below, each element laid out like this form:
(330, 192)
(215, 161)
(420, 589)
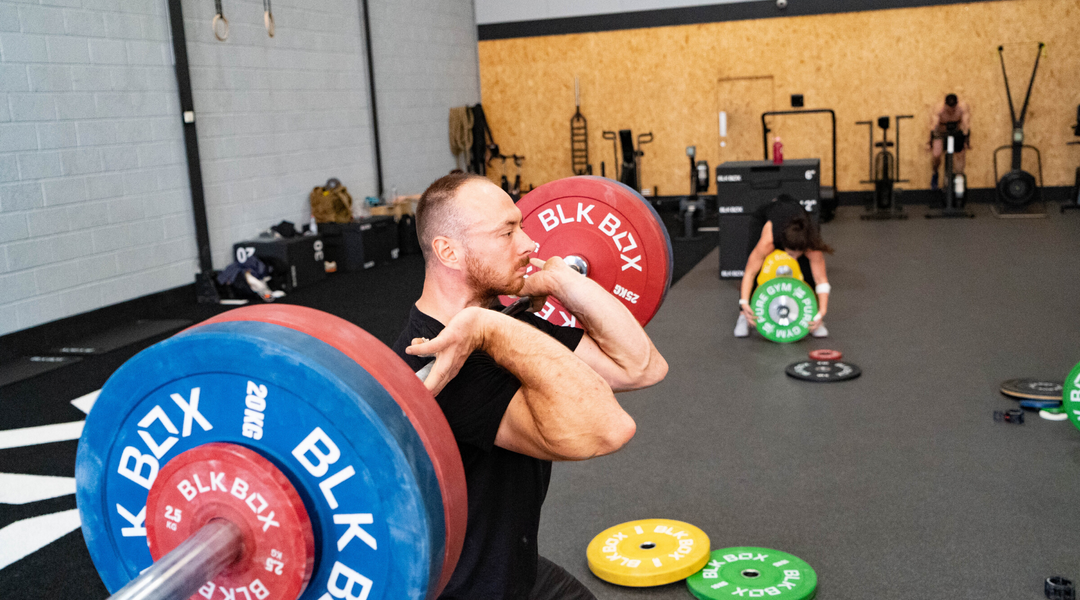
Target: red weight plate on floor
(611, 227)
(219, 480)
(824, 354)
(405, 387)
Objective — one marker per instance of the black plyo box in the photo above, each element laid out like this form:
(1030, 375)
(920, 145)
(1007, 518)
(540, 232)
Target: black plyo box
(734, 231)
(744, 186)
(362, 244)
(298, 261)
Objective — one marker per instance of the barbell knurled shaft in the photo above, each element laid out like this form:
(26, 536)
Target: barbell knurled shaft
(185, 569)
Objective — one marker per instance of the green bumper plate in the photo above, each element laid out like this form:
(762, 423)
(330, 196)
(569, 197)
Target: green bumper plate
(753, 573)
(1071, 396)
(784, 307)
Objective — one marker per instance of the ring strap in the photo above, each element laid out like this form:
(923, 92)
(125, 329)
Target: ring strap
(219, 16)
(268, 17)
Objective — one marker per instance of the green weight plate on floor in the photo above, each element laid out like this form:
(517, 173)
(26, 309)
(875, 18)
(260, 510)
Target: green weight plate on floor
(784, 307)
(1071, 396)
(753, 573)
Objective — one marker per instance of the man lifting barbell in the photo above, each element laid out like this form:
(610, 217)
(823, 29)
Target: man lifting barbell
(518, 392)
(783, 224)
(951, 118)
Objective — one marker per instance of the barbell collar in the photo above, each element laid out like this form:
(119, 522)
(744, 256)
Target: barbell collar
(181, 572)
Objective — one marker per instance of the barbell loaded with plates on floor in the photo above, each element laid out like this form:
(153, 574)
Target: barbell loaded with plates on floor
(272, 452)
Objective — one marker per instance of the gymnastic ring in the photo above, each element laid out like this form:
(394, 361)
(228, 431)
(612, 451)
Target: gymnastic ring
(214, 25)
(268, 19)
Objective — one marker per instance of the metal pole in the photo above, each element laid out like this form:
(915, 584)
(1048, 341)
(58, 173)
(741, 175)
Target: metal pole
(181, 573)
(371, 91)
(191, 138)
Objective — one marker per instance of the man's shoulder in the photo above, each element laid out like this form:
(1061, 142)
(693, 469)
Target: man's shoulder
(418, 325)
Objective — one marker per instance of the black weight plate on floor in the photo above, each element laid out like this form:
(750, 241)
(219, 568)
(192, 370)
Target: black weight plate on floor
(823, 371)
(1033, 389)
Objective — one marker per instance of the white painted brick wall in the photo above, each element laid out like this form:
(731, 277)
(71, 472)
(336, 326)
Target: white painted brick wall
(90, 145)
(426, 62)
(94, 201)
(277, 116)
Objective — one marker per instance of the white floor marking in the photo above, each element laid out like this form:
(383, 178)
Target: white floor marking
(16, 488)
(22, 538)
(45, 434)
(85, 403)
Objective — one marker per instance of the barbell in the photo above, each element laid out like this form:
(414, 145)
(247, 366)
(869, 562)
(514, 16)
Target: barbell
(279, 452)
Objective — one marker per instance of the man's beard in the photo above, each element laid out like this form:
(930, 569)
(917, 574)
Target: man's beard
(486, 282)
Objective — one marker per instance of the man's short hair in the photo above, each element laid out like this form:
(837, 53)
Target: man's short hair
(435, 214)
(950, 100)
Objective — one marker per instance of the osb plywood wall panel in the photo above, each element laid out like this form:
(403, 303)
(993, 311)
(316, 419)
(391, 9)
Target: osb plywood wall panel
(672, 81)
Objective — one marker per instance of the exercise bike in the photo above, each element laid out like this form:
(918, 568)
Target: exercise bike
(692, 208)
(954, 188)
(884, 172)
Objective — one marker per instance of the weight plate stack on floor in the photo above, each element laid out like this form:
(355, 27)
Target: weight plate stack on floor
(1032, 389)
(648, 552)
(823, 371)
(1071, 396)
(753, 573)
(784, 307)
(617, 233)
(368, 482)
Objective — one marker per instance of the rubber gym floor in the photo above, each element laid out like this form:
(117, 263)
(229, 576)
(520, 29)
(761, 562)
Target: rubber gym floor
(895, 485)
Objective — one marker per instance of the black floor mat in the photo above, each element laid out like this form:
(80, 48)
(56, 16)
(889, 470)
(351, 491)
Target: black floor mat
(30, 366)
(118, 337)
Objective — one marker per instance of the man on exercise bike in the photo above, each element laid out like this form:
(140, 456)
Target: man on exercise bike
(784, 224)
(951, 118)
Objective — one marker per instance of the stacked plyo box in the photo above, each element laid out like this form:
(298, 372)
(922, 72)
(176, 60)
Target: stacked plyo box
(744, 186)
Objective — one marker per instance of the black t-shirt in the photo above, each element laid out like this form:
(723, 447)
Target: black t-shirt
(506, 489)
(780, 212)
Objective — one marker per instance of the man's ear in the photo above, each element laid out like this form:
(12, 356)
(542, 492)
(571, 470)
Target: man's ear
(447, 252)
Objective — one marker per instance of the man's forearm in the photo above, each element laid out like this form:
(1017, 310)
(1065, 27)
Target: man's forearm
(570, 407)
(547, 369)
(608, 322)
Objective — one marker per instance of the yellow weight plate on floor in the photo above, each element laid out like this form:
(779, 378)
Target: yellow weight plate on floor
(648, 552)
(779, 264)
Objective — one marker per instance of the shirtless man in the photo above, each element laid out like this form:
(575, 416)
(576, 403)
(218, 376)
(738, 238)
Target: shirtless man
(950, 118)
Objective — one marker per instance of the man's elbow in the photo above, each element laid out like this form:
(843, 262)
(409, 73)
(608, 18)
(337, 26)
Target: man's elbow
(617, 434)
(657, 371)
(649, 374)
(610, 436)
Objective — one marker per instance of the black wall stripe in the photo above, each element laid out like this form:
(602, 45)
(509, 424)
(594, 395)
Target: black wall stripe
(716, 13)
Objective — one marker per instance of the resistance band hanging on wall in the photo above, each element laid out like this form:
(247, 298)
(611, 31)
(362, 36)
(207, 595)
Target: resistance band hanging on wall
(220, 24)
